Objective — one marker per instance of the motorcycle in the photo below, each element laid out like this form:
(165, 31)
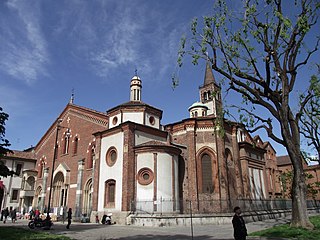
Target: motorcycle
(106, 219)
(39, 223)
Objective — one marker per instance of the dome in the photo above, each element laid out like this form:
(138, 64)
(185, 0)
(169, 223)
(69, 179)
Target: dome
(197, 105)
(135, 77)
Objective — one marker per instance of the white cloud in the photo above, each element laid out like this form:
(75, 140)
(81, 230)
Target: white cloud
(24, 51)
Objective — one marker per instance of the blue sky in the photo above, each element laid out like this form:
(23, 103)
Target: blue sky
(50, 47)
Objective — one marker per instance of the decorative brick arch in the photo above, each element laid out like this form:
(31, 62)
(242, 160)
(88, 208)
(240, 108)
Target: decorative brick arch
(207, 165)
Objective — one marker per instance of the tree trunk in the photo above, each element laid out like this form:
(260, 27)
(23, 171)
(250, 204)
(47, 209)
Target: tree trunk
(299, 190)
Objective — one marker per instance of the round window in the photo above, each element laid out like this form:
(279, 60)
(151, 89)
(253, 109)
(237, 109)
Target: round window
(111, 156)
(114, 120)
(145, 176)
(152, 120)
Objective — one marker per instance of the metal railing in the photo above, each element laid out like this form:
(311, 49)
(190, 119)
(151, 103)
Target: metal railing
(163, 206)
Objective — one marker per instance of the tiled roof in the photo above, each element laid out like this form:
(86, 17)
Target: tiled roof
(22, 154)
(283, 160)
(153, 143)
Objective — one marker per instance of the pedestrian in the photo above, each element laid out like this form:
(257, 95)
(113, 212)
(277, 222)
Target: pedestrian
(239, 226)
(31, 214)
(6, 214)
(69, 217)
(37, 214)
(13, 215)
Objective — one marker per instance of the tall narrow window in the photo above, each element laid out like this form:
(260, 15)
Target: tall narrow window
(110, 193)
(66, 145)
(14, 195)
(206, 166)
(40, 168)
(205, 96)
(91, 156)
(75, 145)
(18, 168)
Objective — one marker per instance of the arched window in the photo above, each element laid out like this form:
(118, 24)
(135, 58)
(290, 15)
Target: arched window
(29, 185)
(40, 168)
(66, 143)
(75, 145)
(110, 193)
(205, 96)
(206, 167)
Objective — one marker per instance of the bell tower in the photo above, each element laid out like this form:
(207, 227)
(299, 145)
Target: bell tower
(135, 89)
(210, 92)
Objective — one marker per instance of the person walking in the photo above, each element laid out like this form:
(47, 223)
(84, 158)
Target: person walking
(239, 226)
(13, 215)
(6, 214)
(69, 217)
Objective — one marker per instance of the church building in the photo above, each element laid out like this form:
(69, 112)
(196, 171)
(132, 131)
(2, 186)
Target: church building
(125, 161)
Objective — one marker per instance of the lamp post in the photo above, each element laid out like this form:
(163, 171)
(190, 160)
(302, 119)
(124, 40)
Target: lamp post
(52, 171)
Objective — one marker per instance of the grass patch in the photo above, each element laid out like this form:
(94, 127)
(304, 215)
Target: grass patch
(15, 233)
(285, 231)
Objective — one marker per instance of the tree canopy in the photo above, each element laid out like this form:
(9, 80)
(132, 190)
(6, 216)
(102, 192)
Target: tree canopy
(4, 144)
(310, 119)
(259, 48)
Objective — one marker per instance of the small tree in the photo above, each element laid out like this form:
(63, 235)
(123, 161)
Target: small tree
(259, 52)
(4, 144)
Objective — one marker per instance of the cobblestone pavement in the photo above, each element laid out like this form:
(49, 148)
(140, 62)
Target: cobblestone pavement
(91, 231)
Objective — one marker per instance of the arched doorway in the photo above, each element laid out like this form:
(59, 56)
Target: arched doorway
(37, 198)
(60, 191)
(87, 198)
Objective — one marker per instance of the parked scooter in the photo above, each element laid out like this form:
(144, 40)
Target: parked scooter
(39, 223)
(106, 219)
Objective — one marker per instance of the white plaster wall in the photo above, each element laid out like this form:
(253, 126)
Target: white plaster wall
(142, 137)
(164, 178)
(156, 121)
(15, 181)
(111, 125)
(210, 106)
(145, 192)
(136, 117)
(114, 172)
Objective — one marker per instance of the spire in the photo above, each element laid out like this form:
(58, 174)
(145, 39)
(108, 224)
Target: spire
(72, 96)
(208, 77)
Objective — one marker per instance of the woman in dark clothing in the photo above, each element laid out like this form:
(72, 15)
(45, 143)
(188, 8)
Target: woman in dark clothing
(6, 214)
(69, 217)
(239, 226)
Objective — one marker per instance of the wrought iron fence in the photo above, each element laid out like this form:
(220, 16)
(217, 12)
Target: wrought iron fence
(162, 206)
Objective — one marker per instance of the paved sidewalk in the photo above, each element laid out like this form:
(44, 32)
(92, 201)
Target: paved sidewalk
(91, 231)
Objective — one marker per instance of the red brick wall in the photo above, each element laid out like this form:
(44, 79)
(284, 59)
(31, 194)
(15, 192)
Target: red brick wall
(80, 123)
